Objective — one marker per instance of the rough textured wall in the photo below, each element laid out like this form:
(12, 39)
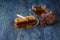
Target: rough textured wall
(8, 11)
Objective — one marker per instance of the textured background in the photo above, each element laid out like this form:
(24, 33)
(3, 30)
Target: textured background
(8, 11)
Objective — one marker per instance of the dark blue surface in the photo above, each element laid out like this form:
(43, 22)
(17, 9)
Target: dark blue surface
(8, 11)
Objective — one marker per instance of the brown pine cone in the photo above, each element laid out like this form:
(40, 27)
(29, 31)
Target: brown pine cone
(50, 18)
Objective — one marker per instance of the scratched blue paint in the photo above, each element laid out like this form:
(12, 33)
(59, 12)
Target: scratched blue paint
(8, 11)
